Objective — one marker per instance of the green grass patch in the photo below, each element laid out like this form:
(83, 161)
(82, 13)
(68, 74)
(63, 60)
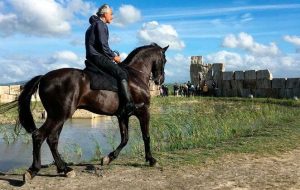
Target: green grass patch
(192, 130)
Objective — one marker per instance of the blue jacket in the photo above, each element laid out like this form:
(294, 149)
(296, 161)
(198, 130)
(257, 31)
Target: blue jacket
(96, 39)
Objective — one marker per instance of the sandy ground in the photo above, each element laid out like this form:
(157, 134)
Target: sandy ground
(238, 171)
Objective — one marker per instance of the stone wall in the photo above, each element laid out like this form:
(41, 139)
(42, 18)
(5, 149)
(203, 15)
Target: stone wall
(245, 83)
(9, 93)
(259, 84)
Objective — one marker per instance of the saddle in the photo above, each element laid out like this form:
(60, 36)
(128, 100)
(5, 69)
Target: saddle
(99, 79)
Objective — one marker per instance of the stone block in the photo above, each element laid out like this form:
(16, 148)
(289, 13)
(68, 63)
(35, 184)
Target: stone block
(250, 75)
(250, 83)
(237, 84)
(281, 93)
(245, 92)
(218, 92)
(296, 92)
(14, 89)
(81, 113)
(263, 83)
(5, 98)
(289, 93)
(266, 93)
(153, 86)
(4, 89)
(226, 84)
(228, 75)
(239, 75)
(278, 82)
(229, 92)
(264, 74)
(196, 59)
(218, 76)
(218, 67)
(293, 83)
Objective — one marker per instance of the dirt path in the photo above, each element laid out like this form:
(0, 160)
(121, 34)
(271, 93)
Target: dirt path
(240, 171)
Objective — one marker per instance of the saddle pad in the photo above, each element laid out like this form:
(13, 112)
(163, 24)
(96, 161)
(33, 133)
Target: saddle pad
(99, 79)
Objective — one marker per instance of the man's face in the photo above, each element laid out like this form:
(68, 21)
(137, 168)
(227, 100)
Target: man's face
(108, 16)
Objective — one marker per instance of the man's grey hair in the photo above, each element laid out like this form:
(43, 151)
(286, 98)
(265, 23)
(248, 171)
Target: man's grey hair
(103, 9)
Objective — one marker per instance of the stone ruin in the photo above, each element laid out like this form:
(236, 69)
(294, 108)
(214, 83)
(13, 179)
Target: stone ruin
(11, 93)
(242, 83)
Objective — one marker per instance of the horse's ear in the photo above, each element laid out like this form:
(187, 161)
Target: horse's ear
(165, 48)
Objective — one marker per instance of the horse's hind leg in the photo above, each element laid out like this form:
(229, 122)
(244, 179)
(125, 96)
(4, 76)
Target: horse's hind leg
(52, 141)
(38, 137)
(123, 125)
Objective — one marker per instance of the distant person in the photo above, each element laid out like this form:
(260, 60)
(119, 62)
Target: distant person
(189, 84)
(215, 88)
(205, 89)
(192, 90)
(166, 91)
(161, 90)
(176, 89)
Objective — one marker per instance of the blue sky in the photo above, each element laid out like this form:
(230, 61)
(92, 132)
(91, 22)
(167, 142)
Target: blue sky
(37, 36)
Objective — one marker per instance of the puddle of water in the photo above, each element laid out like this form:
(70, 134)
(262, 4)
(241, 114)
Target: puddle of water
(79, 132)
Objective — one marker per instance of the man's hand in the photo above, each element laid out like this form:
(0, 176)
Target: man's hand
(117, 59)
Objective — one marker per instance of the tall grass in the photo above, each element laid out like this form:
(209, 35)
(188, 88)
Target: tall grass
(179, 123)
(185, 123)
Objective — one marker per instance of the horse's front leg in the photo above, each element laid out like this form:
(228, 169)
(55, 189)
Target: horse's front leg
(123, 125)
(144, 118)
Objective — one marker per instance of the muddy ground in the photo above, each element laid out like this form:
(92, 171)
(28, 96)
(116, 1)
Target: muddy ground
(233, 171)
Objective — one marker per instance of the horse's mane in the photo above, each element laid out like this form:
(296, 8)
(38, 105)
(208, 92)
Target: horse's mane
(138, 50)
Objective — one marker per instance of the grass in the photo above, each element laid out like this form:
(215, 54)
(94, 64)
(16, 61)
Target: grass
(197, 129)
(192, 130)
(10, 116)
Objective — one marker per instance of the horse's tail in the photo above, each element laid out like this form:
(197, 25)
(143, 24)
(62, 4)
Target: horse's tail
(25, 115)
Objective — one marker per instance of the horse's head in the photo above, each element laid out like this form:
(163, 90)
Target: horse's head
(158, 66)
(147, 60)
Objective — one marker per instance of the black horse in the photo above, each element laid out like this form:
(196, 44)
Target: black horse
(63, 91)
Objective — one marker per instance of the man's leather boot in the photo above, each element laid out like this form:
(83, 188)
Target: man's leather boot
(130, 107)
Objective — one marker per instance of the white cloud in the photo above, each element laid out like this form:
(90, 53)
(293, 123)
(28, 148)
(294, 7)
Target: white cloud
(231, 59)
(177, 68)
(64, 59)
(41, 18)
(276, 64)
(65, 56)
(161, 34)
(256, 56)
(127, 14)
(246, 18)
(246, 42)
(79, 7)
(8, 24)
(292, 39)
(123, 56)
(21, 68)
(113, 39)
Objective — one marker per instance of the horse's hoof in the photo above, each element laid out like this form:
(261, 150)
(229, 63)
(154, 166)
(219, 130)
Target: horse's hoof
(27, 177)
(71, 174)
(105, 160)
(155, 164)
(152, 162)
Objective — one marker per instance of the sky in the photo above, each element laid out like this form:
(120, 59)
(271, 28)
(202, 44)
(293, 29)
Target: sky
(37, 36)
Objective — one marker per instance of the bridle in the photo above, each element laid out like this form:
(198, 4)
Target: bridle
(139, 71)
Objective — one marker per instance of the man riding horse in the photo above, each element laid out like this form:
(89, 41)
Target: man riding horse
(99, 53)
(65, 90)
